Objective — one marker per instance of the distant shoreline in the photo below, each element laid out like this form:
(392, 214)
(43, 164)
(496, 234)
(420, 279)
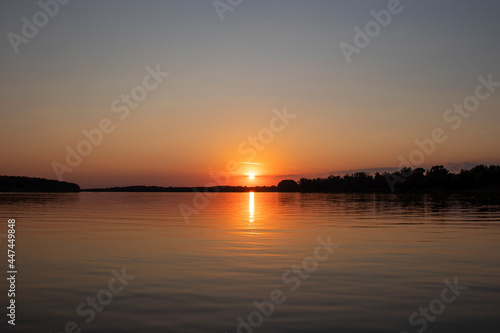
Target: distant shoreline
(214, 189)
(492, 189)
(480, 179)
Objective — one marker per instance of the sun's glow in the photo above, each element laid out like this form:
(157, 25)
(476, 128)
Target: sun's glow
(251, 176)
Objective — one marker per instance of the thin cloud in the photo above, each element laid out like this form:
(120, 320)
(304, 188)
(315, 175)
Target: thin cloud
(367, 170)
(254, 163)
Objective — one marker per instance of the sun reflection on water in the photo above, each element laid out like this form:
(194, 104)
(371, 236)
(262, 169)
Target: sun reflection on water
(251, 207)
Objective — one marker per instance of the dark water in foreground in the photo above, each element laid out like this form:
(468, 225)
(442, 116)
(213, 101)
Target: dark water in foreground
(395, 254)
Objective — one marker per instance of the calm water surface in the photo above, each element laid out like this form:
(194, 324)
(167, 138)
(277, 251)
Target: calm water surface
(395, 254)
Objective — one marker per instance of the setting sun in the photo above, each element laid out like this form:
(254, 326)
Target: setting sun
(251, 176)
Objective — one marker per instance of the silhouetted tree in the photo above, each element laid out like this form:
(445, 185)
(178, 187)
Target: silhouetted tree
(288, 185)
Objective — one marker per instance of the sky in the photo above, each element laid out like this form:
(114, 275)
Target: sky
(181, 93)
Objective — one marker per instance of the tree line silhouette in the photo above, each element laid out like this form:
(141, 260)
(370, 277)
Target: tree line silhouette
(480, 178)
(437, 178)
(29, 184)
